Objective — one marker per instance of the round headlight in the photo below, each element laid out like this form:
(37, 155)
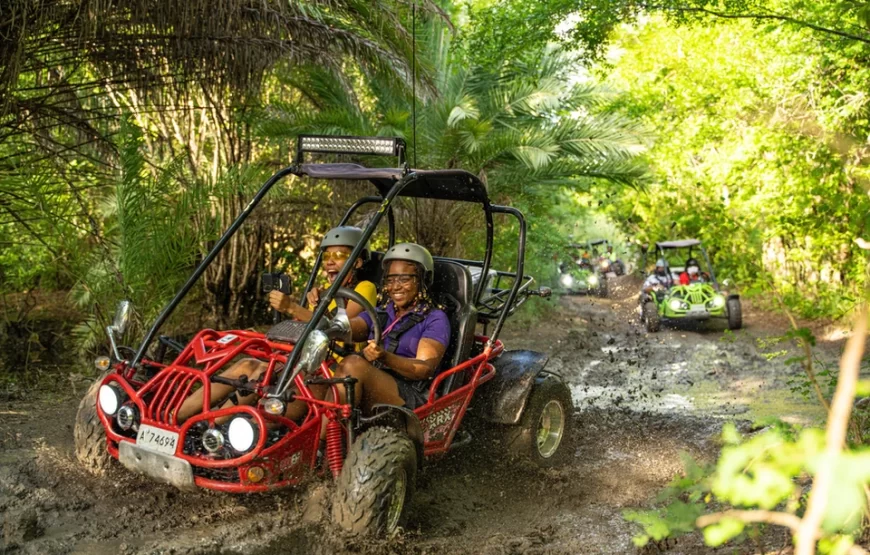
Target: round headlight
(273, 405)
(128, 415)
(213, 440)
(567, 280)
(110, 399)
(592, 280)
(242, 434)
(675, 304)
(718, 301)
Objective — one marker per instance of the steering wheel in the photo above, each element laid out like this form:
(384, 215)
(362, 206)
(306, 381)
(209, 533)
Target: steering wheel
(351, 295)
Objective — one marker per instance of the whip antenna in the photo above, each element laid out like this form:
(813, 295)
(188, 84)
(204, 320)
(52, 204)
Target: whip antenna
(414, 106)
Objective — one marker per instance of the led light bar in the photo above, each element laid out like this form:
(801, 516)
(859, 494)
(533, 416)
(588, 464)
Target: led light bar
(382, 146)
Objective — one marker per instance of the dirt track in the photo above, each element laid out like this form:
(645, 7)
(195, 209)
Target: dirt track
(640, 400)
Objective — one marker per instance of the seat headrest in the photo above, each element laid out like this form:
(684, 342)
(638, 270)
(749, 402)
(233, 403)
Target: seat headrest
(454, 279)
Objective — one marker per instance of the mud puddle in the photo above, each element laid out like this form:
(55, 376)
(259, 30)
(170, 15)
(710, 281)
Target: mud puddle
(640, 401)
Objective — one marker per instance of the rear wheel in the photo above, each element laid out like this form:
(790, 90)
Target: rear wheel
(543, 435)
(376, 484)
(651, 317)
(735, 314)
(90, 437)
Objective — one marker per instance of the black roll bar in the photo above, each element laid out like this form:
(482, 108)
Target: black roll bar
(191, 281)
(521, 261)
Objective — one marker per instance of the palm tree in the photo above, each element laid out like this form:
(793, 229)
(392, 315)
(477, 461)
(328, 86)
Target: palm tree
(524, 129)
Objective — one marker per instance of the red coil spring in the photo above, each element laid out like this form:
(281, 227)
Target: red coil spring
(333, 447)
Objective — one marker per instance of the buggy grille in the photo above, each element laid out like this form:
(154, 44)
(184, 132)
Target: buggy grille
(175, 386)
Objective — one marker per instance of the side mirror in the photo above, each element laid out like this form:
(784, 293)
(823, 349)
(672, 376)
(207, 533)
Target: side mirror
(122, 317)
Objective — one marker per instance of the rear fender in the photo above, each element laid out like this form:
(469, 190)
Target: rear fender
(400, 418)
(503, 398)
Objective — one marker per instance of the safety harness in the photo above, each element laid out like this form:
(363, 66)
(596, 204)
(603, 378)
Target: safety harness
(399, 329)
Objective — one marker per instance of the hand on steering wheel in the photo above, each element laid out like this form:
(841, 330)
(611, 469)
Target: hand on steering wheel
(351, 295)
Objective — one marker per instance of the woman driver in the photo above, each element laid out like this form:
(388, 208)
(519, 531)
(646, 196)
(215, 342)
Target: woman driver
(336, 247)
(415, 335)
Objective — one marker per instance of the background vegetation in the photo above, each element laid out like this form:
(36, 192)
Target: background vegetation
(131, 136)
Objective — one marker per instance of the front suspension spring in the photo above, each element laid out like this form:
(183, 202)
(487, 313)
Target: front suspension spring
(334, 454)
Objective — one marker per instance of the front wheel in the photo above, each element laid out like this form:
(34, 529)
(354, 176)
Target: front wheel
(735, 314)
(543, 435)
(376, 484)
(602, 288)
(651, 317)
(89, 435)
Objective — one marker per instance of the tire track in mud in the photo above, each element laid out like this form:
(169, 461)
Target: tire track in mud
(640, 401)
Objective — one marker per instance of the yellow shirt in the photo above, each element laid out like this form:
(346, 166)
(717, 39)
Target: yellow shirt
(370, 293)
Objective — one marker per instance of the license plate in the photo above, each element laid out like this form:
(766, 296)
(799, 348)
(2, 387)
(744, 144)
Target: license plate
(157, 439)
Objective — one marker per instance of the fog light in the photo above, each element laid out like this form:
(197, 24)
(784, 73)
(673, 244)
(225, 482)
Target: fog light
(102, 363)
(256, 474)
(675, 304)
(718, 301)
(128, 416)
(273, 405)
(213, 440)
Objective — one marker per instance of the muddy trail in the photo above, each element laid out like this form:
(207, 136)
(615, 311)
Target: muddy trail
(641, 400)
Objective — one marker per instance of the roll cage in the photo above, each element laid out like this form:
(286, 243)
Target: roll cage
(663, 249)
(391, 183)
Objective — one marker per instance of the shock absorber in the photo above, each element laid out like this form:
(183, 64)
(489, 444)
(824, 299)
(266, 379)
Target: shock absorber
(334, 435)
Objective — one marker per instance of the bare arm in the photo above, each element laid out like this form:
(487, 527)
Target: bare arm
(429, 355)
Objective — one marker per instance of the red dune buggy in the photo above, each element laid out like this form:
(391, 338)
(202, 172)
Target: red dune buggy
(129, 415)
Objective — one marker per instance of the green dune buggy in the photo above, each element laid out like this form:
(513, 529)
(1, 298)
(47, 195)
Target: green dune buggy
(581, 275)
(686, 297)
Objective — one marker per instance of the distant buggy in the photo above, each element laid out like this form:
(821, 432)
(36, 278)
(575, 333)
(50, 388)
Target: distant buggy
(698, 300)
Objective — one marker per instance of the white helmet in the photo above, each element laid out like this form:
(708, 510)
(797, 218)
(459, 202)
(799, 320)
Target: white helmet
(412, 252)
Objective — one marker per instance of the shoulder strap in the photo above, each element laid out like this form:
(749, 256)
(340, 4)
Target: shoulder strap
(412, 320)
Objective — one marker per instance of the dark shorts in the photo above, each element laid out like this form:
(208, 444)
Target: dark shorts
(412, 395)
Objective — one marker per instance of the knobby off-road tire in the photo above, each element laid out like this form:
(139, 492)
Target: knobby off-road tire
(602, 288)
(376, 484)
(544, 433)
(735, 314)
(651, 317)
(89, 435)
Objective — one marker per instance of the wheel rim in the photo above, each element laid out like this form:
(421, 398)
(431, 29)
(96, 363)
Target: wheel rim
(551, 428)
(397, 501)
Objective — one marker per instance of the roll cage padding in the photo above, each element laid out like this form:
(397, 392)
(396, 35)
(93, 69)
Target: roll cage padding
(503, 398)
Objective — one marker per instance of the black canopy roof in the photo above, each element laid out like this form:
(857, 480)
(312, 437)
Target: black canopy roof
(435, 184)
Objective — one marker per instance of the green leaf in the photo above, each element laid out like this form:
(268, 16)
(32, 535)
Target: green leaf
(724, 530)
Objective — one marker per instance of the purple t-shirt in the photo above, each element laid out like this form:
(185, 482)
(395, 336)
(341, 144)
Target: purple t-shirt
(434, 326)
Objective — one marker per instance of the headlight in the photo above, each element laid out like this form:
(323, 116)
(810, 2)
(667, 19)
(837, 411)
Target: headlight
(592, 280)
(241, 434)
(128, 416)
(675, 304)
(718, 301)
(567, 280)
(314, 351)
(605, 263)
(110, 399)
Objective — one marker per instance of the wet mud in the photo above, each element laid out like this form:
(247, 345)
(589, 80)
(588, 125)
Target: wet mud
(641, 400)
